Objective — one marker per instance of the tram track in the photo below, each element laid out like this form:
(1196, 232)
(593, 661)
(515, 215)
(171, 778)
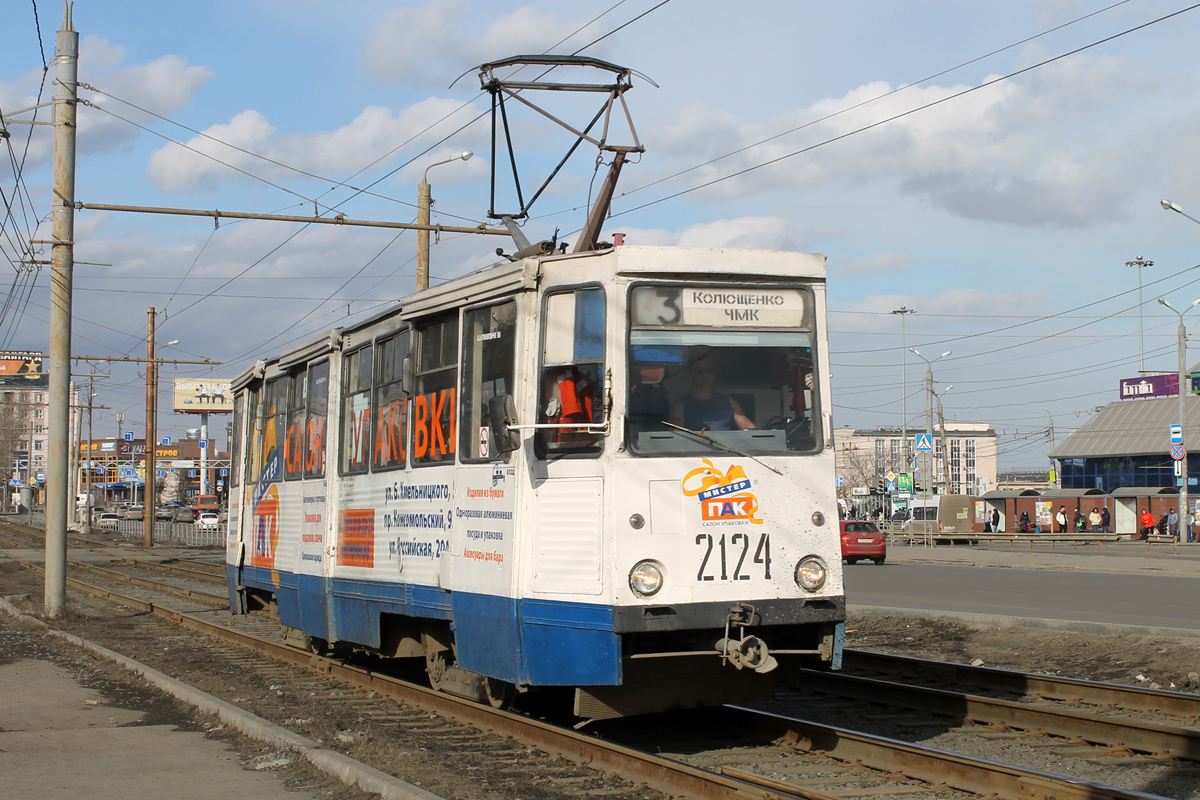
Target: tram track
(775, 755)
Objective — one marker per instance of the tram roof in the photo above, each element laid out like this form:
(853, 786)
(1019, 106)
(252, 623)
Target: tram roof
(630, 261)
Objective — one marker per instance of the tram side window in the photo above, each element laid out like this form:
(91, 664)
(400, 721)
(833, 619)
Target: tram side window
(489, 369)
(434, 399)
(572, 382)
(293, 444)
(235, 448)
(318, 410)
(356, 411)
(274, 412)
(391, 403)
(253, 435)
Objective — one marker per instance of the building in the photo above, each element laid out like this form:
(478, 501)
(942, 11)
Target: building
(1128, 444)
(964, 458)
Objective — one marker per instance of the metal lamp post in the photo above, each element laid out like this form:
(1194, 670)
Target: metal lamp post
(928, 414)
(903, 311)
(945, 449)
(1140, 262)
(1183, 486)
(424, 202)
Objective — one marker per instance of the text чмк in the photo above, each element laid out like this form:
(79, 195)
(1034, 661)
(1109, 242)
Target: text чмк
(433, 424)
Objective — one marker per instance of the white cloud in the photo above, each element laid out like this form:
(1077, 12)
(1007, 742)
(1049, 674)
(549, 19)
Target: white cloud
(431, 44)
(877, 264)
(758, 233)
(372, 135)
(1009, 152)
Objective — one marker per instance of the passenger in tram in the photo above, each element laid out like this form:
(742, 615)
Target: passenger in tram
(702, 408)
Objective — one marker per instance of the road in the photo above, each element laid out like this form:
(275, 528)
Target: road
(1109, 588)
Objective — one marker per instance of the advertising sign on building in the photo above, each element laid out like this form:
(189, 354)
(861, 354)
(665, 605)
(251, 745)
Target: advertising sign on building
(1150, 386)
(193, 396)
(22, 369)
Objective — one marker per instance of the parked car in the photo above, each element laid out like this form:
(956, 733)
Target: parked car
(137, 511)
(208, 521)
(182, 514)
(861, 539)
(162, 512)
(108, 521)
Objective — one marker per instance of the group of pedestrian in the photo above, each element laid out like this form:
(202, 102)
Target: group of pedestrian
(1099, 520)
(1167, 524)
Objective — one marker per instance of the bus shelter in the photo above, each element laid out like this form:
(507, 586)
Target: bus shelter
(1010, 503)
(1130, 501)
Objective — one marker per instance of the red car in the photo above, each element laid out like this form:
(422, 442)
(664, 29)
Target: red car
(862, 540)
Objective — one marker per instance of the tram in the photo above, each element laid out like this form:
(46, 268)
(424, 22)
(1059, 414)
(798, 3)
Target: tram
(609, 470)
(520, 477)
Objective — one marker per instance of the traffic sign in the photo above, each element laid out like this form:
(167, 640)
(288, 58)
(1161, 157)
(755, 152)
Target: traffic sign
(129, 436)
(160, 473)
(220, 484)
(223, 472)
(1176, 434)
(166, 441)
(1177, 452)
(204, 444)
(841, 481)
(924, 443)
(127, 474)
(891, 487)
(891, 476)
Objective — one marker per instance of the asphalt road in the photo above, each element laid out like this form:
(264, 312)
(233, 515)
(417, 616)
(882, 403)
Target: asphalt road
(1141, 598)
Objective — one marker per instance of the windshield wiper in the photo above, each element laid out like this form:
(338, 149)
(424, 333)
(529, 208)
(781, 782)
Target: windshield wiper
(704, 437)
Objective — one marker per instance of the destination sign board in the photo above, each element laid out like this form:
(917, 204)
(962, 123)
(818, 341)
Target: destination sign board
(713, 307)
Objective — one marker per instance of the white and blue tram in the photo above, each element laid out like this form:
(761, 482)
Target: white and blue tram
(611, 471)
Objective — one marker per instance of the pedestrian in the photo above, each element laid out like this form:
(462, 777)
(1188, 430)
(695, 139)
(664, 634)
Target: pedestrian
(1061, 519)
(1147, 523)
(1162, 524)
(996, 520)
(1105, 520)
(1023, 523)
(1078, 521)
(1094, 519)
(1172, 523)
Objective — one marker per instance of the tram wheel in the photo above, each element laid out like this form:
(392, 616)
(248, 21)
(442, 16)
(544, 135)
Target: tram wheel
(500, 694)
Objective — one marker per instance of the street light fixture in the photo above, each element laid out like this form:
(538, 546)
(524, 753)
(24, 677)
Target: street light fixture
(928, 414)
(1140, 263)
(903, 311)
(424, 202)
(1169, 206)
(1183, 466)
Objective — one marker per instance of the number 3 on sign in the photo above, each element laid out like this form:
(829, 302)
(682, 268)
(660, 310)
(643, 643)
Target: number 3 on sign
(735, 553)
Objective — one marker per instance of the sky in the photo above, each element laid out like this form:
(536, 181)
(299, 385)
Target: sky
(992, 167)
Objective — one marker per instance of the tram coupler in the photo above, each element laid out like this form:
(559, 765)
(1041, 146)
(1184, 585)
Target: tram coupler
(744, 652)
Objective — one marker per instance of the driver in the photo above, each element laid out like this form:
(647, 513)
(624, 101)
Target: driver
(702, 408)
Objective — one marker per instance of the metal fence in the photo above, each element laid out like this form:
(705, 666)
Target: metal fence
(186, 533)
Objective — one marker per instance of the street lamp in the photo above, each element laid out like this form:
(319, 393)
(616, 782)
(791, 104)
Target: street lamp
(1169, 206)
(928, 408)
(1183, 465)
(903, 311)
(424, 202)
(945, 451)
(1053, 471)
(1140, 263)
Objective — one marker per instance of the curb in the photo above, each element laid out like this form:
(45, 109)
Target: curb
(1003, 621)
(331, 762)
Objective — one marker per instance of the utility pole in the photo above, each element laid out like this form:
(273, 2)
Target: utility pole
(945, 451)
(151, 434)
(62, 260)
(903, 311)
(1140, 263)
(1053, 469)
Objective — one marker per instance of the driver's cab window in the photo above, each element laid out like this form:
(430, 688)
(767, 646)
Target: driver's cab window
(571, 386)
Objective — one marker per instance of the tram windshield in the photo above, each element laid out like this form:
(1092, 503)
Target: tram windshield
(716, 369)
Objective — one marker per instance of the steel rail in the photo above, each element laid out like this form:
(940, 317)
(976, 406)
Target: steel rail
(968, 774)
(1145, 737)
(1048, 687)
(664, 774)
(147, 583)
(191, 572)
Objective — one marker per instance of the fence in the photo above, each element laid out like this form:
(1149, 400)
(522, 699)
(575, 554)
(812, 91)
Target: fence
(185, 533)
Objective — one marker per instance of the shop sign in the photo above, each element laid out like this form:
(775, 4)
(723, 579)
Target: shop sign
(1150, 386)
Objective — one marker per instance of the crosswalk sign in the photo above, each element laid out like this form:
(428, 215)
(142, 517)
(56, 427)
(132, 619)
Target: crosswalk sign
(924, 443)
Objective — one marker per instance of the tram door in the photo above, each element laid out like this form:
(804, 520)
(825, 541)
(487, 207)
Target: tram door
(485, 497)
(568, 549)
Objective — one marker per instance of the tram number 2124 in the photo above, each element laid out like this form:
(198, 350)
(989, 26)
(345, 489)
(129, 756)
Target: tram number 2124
(736, 551)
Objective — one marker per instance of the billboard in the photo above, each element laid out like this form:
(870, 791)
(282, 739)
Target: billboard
(23, 369)
(1150, 386)
(198, 396)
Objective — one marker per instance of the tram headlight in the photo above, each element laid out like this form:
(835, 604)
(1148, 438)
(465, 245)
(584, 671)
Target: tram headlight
(646, 578)
(811, 573)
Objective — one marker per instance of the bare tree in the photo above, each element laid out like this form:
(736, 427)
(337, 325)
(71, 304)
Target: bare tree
(16, 416)
(857, 467)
